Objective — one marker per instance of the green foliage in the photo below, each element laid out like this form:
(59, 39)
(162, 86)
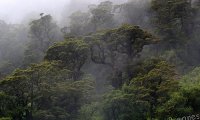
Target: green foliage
(127, 39)
(153, 81)
(120, 105)
(134, 12)
(118, 47)
(43, 33)
(58, 88)
(91, 111)
(191, 79)
(175, 107)
(173, 19)
(190, 89)
(98, 17)
(185, 101)
(102, 16)
(73, 54)
(43, 91)
(79, 23)
(5, 118)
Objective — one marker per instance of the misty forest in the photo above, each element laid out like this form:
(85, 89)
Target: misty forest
(129, 60)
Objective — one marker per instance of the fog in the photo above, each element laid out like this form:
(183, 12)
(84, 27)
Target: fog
(16, 11)
(99, 59)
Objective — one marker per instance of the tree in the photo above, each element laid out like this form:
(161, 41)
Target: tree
(79, 23)
(43, 91)
(24, 85)
(176, 22)
(127, 39)
(117, 105)
(43, 33)
(97, 18)
(185, 101)
(151, 86)
(91, 111)
(118, 47)
(190, 87)
(134, 12)
(173, 19)
(102, 16)
(73, 54)
(154, 82)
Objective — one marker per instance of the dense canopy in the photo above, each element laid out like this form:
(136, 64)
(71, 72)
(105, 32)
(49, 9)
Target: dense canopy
(133, 60)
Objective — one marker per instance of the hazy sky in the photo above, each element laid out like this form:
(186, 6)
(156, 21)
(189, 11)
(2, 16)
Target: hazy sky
(14, 11)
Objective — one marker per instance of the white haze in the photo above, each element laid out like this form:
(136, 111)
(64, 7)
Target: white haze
(18, 11)
(14, 11)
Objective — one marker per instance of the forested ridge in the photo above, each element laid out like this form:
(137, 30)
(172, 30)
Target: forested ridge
(137, 60)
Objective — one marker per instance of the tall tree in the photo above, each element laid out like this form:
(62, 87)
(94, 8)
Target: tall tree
(73, 54)
(173, 19)
(43, 91)
(134, 12)
(43, 33)
(118, 47)
(102, 16)
(186, 100)
(151, 85)
(79, 23)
